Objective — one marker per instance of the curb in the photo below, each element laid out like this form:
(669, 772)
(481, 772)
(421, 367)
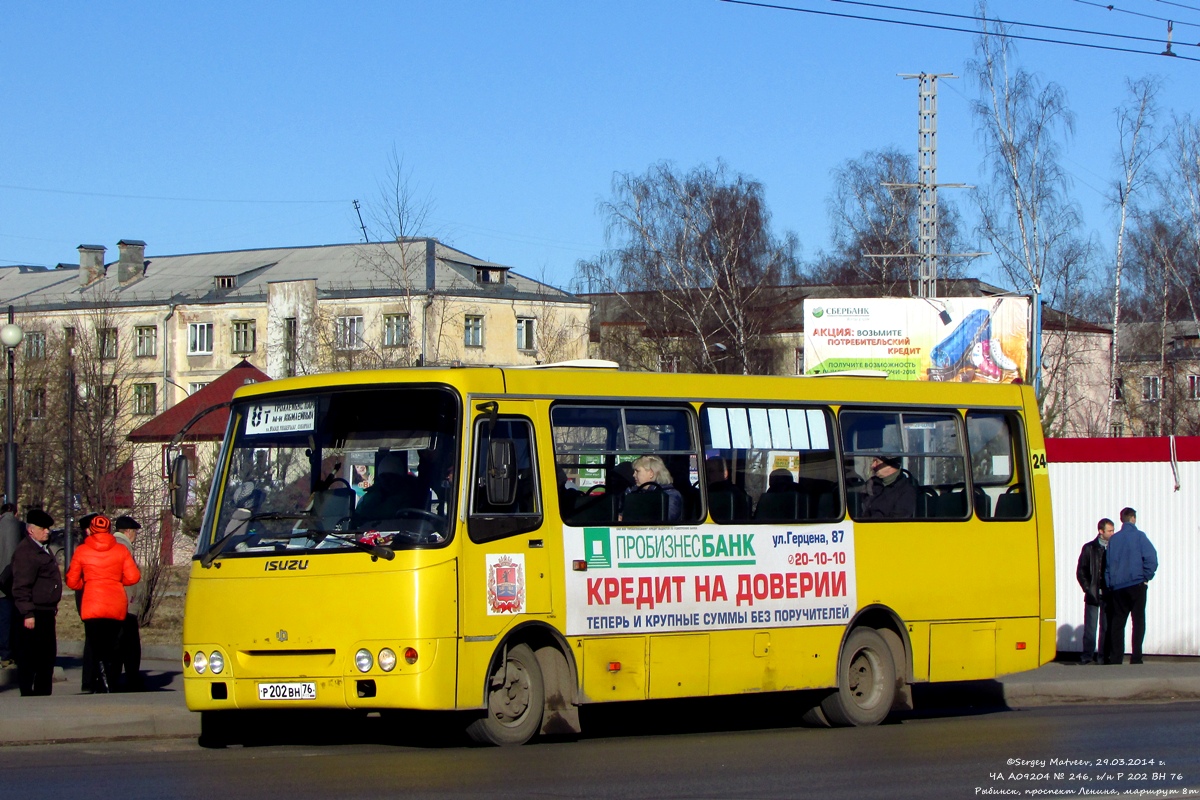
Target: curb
(1138, 690)
(150, 652)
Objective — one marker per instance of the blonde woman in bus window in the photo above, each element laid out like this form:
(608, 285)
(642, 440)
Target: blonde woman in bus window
(650, 474)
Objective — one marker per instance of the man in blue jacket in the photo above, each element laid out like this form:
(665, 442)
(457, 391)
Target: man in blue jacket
(1131, 563)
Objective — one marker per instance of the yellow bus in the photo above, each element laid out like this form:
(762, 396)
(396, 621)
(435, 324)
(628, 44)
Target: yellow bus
(513, 543)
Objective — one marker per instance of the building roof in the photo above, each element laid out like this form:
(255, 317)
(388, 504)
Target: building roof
(209, 428)
(340, 270)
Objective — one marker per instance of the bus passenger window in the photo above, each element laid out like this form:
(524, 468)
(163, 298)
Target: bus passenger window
(599, 452)
(904, 465)
(770, 465)
(494, 521)
(996, 456)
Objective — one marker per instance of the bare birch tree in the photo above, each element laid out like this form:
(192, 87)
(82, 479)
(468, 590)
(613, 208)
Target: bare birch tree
(1025, 211)
(1137, 145)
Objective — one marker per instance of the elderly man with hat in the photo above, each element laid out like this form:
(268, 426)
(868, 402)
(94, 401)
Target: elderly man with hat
(891, 494)
(36, 590)
(102, 568)
(131, 638)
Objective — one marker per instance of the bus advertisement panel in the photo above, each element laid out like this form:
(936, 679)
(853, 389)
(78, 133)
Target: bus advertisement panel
(708, 577)
(959, 339)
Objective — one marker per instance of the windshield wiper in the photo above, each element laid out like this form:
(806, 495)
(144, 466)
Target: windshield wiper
(242, 518)
(238, 524)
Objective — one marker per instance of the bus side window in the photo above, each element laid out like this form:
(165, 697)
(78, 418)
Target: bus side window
(928, 449)
(770, 465)
(996, 457)
(594, 447)
(489, 521)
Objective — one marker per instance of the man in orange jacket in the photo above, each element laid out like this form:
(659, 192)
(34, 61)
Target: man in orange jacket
(103, 568)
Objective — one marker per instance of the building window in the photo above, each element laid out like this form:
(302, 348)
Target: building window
(35, 345)
(1150, 388)
(243, 336)
(226, 281)
(1116, 430)
(668, 363)
(348, 333)
(473, 331)
(799, 360)
(110, 400)
(1150, 429)
(145, 399)
(35, 403)
(1193, 387)
(108, 343)
(195, 387)
(146, 341)
(526, 340)
(485, 275)
(289, 347)
(395, 330)
(1119, 390)
(200, 338)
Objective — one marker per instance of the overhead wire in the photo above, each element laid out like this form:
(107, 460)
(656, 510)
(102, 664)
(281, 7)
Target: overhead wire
(1177, 5)
(1111, 7)
(904, 9)
(929, 26)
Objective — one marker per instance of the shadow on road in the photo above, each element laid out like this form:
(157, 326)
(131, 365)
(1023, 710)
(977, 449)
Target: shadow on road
(603, 720)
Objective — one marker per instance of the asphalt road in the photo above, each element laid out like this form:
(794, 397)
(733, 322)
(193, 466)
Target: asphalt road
(954, 753)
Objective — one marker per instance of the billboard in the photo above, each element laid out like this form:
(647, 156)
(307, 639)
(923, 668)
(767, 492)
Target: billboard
(983, 339)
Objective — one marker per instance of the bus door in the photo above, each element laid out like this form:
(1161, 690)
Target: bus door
(506, 569)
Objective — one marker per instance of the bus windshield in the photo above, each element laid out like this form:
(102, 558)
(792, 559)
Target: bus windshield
(334, 471)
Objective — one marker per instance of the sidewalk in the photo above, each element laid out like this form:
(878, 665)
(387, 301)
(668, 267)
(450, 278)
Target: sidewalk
(159, 712)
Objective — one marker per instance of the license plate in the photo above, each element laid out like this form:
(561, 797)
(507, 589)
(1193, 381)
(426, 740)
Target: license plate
(287, 691)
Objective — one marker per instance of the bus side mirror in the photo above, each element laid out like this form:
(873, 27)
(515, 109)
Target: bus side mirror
(501, 478)
(179, 485)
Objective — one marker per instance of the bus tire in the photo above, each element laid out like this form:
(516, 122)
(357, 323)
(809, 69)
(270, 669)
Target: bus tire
(515, 701)
(866, 681)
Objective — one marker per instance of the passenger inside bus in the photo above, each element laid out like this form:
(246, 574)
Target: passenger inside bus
(890, 492)
(654, 497)
(394, 489)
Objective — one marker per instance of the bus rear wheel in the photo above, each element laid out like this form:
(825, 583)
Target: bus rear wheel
(866, 681)
(516, 699)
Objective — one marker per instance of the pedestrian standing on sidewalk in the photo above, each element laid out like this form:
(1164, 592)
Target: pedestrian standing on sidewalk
(11, 534)
(1130, 565)
(131, 638)
(88, 659)
(36, 590)
(102, 568)
(1090, 574)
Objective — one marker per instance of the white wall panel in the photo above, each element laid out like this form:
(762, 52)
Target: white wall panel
(1082, 493)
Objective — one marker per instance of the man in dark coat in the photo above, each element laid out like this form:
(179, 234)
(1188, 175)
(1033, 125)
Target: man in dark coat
(36, 590)
(1131, 564)
(890, 492)
(131, 641)
(1090, 574)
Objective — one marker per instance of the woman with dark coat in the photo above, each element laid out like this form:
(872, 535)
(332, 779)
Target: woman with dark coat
(36, 590)
(103, 568)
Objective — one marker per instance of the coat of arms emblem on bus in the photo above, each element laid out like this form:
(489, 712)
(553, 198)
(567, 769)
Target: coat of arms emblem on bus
(506, 584)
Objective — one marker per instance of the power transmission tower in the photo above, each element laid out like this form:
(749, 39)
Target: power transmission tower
(927, 185)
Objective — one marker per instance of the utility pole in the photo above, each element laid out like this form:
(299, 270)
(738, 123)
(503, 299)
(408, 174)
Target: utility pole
(358, 211)
(927, 185)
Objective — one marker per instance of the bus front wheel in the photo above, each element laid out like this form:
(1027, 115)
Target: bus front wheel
(866, 681)
(515, 701)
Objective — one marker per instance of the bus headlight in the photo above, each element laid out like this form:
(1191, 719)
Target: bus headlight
(216, 662)
(200, 662)
(387, 659)
(363, 660)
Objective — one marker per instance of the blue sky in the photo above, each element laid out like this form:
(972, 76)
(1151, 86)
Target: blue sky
(231, 125)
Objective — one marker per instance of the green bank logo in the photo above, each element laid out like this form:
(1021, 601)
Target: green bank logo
(818, 312)
(597, 544)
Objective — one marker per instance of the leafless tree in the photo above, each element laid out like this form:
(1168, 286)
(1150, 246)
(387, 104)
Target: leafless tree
(873, 216)
(693, 265)
(1137, 144)
(1025, 211)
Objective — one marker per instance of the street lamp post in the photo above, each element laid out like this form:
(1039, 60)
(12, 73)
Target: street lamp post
(11, 336)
